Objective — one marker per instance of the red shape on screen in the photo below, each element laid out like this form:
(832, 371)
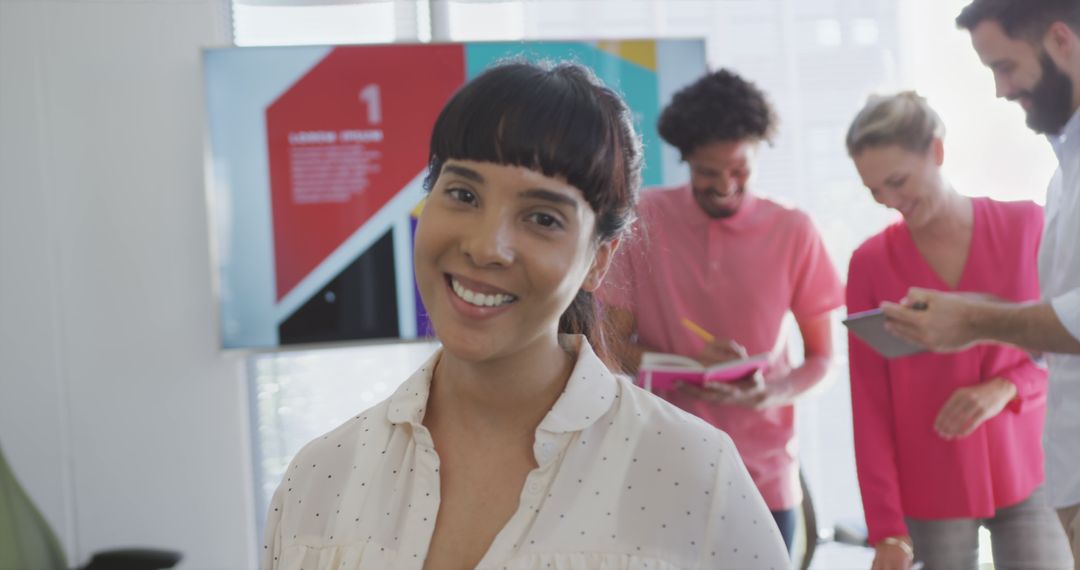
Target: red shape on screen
(347, 137)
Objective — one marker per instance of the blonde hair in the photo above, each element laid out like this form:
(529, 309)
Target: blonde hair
(904, 119)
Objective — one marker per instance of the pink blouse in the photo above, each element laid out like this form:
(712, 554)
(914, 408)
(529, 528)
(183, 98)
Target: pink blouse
(906, 469)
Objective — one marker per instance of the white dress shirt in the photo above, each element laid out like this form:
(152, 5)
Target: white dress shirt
(625, 480)
(1059, 279)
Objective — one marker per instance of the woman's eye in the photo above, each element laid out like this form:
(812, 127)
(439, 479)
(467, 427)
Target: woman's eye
(546, 220)
(462, 195)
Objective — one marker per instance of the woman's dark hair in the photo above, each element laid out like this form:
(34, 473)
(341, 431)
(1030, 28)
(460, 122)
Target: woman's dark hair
(1021, 19)
(559, 120)
(719, 107)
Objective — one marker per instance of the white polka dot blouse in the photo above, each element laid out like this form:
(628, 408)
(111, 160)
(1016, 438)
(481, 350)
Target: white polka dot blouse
(624, 481)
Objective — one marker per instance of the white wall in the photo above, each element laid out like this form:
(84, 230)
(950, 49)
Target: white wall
(116, 411)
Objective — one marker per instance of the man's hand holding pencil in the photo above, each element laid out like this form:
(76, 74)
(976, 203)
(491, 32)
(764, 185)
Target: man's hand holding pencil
(715, 352)
(749, 392)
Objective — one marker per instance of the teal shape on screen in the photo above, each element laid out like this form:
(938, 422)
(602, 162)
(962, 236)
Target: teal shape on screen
(637, 85)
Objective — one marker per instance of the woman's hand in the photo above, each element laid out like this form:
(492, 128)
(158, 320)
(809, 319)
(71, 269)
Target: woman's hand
(893, 556)
(970, 406)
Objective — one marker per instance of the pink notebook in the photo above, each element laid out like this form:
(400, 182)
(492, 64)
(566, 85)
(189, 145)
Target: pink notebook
(658, 370)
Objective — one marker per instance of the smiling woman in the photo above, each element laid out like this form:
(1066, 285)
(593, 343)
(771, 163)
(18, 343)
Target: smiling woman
(504, 248)
(521, 117)
(515, 446)
(516, 173)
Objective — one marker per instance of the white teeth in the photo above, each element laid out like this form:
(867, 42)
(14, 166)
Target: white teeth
(480, 299)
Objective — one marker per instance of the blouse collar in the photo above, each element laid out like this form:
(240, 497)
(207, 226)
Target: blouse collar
(590, 393)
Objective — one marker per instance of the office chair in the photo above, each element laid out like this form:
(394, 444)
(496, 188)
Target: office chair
(28, 543)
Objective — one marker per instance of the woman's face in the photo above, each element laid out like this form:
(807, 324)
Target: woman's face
(500, 253)
(906, 181)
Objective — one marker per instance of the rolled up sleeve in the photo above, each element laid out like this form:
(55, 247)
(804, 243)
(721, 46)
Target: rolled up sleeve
(1067, 308)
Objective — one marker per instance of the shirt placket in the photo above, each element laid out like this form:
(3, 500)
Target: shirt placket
(546, 449)
(713, 251)
(425, 501)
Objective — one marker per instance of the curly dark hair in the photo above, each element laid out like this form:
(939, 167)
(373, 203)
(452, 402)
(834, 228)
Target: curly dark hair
(720, 107)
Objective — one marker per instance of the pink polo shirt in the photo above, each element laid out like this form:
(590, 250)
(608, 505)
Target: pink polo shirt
(905, 468)
(736, 277)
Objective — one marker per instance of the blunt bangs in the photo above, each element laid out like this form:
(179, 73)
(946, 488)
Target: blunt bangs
(543, 119)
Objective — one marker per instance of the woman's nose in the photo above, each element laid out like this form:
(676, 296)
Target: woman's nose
(489, 243)
(888, 199)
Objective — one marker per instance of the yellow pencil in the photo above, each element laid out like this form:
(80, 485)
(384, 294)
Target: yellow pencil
(696, 329)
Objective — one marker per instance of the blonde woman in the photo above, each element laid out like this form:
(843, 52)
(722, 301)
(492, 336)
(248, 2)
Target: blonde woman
(945, 443)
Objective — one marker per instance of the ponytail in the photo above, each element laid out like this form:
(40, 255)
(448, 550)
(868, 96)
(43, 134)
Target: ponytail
(583, 317)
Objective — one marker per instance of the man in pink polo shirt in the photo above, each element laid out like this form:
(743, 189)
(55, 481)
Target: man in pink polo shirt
(735, 264)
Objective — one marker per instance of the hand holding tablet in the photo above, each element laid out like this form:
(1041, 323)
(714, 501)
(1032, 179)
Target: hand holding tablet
(870, 327)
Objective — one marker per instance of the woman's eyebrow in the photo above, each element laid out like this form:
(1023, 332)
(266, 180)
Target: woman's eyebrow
(464, 172)
(550, 196)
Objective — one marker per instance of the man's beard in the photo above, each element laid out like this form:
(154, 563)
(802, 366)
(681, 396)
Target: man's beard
(705, 197)
(1051, 99)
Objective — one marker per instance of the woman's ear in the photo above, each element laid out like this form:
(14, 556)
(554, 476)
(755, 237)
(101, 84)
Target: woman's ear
(605, 253)
(937, 151)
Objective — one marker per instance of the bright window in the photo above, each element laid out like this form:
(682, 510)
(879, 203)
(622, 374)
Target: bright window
(301, 394)
(276, 24)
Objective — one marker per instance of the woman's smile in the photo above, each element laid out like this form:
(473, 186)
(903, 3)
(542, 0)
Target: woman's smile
(476, 300)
